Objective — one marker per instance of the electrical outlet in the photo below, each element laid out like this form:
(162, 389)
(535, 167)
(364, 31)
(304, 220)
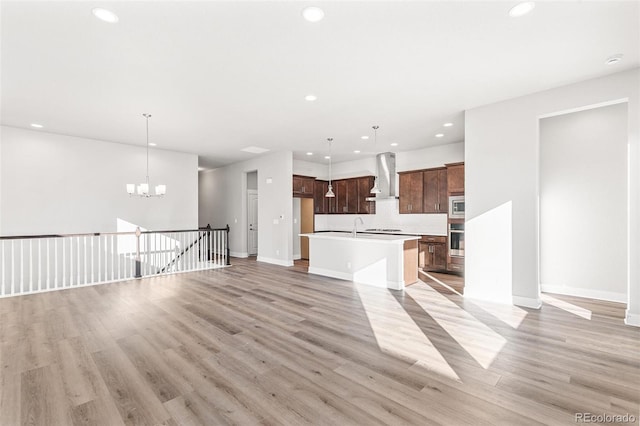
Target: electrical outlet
(277, 252)
(276, 221)
(348, 265)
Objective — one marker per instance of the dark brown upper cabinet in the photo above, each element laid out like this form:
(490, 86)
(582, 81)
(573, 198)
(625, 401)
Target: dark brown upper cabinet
(455, 178)
(411, 192)
(303, 186)
(365, 184)
(435, 195)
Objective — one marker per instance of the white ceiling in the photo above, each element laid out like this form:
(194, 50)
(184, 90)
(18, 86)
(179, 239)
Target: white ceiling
(221, 76)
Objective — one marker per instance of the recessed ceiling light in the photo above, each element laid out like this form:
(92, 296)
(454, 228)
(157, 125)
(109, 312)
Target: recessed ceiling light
(356, 151)
(310, 98)
(614, 59)
(153, 144)
(37, 126)
(439, 135)
(448, 124)
(326, 157)
(105, 15)
(309, 153)
(254, 149)
(521, 9)
(200, 169)
(394, 144)
(364, 137)
(312, 14)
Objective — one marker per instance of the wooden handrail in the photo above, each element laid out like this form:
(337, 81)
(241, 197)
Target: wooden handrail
(96, 234)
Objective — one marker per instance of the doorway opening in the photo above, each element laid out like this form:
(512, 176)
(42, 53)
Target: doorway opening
(583, 231)
(303, 223)
(252, 213)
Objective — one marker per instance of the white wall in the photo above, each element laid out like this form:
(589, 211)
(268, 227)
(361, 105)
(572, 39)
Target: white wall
(501, 168)
(223, 201)
(583, 203)
(307, 168)
(51, 184)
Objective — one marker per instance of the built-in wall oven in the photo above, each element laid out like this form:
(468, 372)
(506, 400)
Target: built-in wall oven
(456, 207)
(456, 239)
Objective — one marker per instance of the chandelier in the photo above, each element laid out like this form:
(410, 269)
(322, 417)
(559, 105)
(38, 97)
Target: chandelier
(142, 190)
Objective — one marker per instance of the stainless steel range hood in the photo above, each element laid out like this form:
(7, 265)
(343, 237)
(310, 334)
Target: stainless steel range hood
(386, 167)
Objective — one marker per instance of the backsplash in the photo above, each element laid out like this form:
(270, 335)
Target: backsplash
(386, 217)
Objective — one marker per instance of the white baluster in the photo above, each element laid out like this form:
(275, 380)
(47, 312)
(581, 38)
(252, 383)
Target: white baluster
(84, 252)
(13, 270)
(113, 261)
(48, 261)
(117, 252)
(64, 263)
(3, 269)
(106, 254)
(93, 276)
(99, 259)
(70, 261)
(78, 259)
(39, 264)
(55, 254)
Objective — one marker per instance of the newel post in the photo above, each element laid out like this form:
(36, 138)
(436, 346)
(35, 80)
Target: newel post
(138, 268)
(228, 249)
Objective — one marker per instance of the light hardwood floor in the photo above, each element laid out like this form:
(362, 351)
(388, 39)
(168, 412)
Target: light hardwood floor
(262, 344)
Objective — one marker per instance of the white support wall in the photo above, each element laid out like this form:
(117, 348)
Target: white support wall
(223, 201)
(502, 187)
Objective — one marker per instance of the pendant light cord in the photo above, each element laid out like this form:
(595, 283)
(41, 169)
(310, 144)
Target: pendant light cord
(330, 159)
(147, 117)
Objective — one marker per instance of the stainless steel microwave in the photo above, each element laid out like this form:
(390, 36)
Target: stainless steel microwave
(456, 207)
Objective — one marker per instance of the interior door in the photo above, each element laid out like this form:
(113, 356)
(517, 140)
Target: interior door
(252, 222)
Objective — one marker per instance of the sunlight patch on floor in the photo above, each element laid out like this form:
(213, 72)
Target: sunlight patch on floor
(476, 338)
(397, 334)
(443, 284)
(566, 306)
(508, 314)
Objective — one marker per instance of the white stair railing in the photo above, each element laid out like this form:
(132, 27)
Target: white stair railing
(37, 263)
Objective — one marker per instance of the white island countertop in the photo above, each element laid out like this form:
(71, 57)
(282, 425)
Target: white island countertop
(362, 236)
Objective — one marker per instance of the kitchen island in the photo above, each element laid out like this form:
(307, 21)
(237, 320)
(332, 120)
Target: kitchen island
(380, 260)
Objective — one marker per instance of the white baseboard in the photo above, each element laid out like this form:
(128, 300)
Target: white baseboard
(297, 256)
(584, 292)
(395, 285)
(632, 319)
(238, 254)
(273, 261)
(527, 302)
(330, 273)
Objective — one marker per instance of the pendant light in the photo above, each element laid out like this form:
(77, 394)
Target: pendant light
(142, 190)
(330, 193)
(376, 189)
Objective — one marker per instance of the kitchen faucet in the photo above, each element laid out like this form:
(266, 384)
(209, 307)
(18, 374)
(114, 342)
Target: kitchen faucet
(355, 226)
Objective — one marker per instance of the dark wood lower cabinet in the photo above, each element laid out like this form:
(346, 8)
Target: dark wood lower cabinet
(432, 255)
